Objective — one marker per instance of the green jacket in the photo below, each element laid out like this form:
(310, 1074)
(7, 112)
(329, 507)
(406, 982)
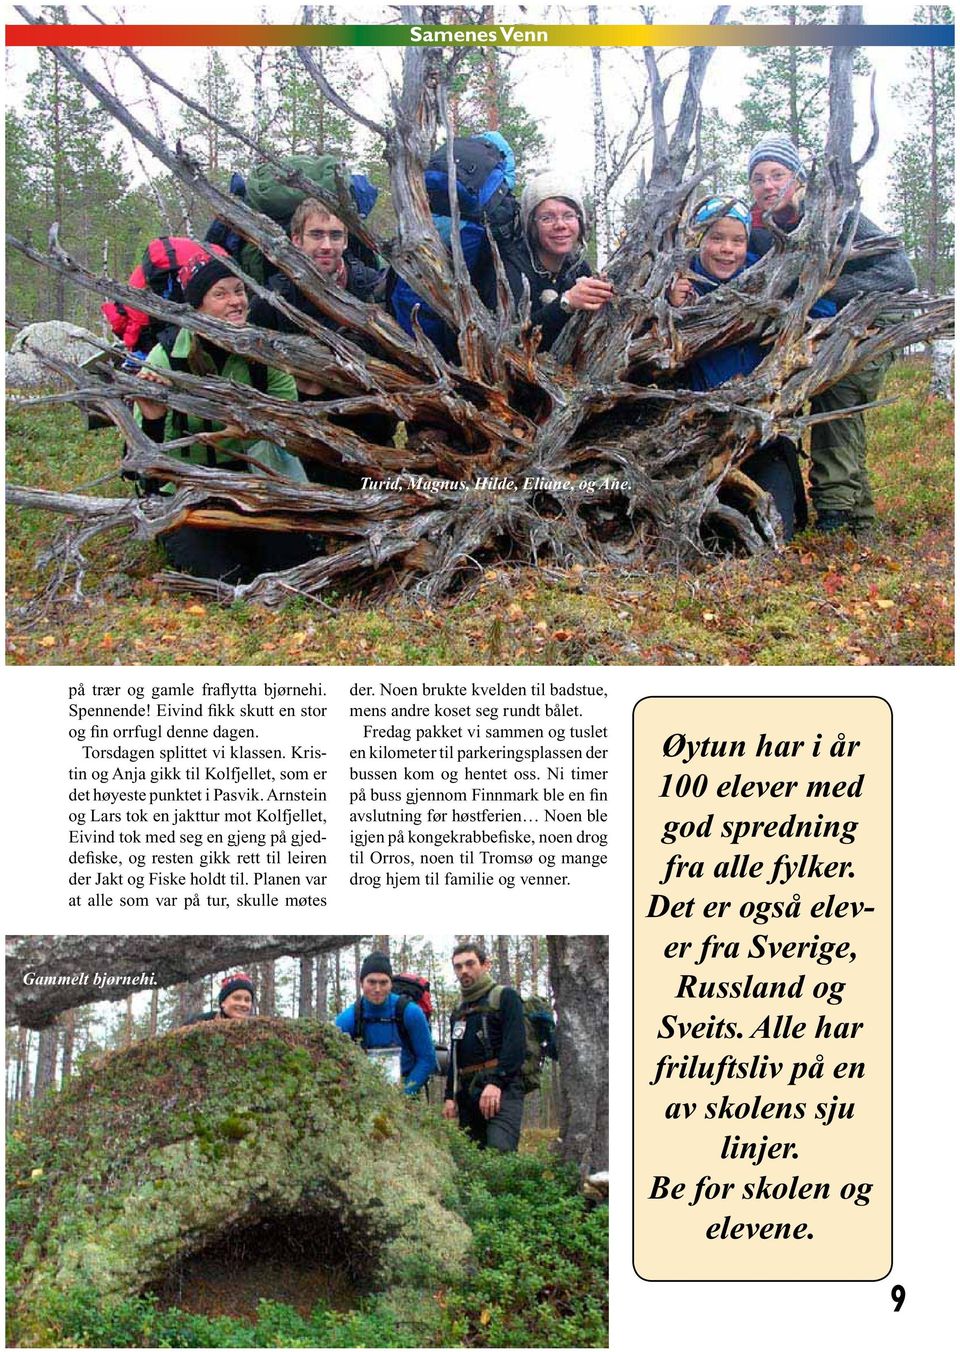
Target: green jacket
(280, 385)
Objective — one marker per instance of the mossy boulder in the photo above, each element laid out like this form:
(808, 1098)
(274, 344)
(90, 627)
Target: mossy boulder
(158, 1152)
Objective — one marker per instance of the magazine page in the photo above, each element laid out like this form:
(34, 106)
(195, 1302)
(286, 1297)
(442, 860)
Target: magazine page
(480, 505)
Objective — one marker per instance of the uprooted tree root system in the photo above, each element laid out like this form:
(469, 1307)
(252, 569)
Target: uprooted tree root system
(593, 455)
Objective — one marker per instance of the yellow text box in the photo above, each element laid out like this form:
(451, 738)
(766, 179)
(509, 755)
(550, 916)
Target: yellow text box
(762, 996)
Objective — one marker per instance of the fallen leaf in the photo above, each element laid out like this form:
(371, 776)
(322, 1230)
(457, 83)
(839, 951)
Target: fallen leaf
(47, 641)
(106, 641)
(882, 603)
(514, 612)
(561, 635)
(196, 609)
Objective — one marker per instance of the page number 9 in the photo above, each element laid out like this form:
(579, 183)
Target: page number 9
(897, 1295)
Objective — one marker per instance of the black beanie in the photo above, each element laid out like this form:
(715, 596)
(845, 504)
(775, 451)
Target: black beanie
(376, 962)
(202, 277)
(239, 981)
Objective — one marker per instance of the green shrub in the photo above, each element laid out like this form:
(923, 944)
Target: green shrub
(537, 1276)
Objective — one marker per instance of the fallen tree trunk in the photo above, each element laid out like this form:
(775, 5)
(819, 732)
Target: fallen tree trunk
(49, 973)
(594, 454)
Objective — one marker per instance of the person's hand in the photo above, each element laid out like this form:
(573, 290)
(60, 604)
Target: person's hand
(490, 1101)
(149, 407)
(589, 293)
(681, 291)
(450, 1109)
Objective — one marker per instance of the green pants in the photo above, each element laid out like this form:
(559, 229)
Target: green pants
(838, 449)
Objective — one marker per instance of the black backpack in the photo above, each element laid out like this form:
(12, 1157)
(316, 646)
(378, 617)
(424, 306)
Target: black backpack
(486, 202)
(539, 1028)
(483, 194)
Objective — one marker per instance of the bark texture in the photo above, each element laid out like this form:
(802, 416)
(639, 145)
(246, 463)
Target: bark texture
(580, 978)
(169, 958)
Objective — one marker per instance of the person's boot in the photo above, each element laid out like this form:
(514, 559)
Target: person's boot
(832, 520)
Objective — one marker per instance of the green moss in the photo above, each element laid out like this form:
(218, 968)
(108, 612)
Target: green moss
(182, 1139)
(235, 1127)
(382, 1127)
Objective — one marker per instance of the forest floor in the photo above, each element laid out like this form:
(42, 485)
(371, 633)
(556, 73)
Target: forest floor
(835, 600)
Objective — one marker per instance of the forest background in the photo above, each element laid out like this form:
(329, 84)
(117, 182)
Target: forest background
(260, 1283)
(67, 161)
(889, 603)
(313, 986)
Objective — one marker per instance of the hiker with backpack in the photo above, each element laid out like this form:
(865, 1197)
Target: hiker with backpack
(323, 238)
(158, 271)
(231, 555)
(390, 1026)
(488, 1047)
(720, 229)
(549, 256)
(839, 479)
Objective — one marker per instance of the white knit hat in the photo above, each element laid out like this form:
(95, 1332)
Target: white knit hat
(551, 184)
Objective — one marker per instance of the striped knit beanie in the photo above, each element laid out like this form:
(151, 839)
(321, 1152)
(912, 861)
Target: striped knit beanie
(774, 146)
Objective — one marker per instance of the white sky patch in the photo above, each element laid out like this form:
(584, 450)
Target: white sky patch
(554, 84)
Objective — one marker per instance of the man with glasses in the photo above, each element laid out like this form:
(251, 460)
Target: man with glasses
(322, 237)
(839, 483)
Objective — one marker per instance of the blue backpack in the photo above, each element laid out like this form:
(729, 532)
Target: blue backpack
(484, 179)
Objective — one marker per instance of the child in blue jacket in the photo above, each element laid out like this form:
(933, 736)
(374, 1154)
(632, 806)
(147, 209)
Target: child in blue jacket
(724, 224)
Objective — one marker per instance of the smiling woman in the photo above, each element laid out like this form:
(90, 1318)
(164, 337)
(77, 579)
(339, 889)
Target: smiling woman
(549, 259)
(213, 289)
(235, 1000)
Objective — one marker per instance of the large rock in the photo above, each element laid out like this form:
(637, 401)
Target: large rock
(67, 342)
(163, 1150)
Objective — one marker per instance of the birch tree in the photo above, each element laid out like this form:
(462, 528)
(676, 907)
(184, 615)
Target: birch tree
(580, 979)
(600, 171)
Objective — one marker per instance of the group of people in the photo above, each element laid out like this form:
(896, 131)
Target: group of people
(484, 1087)
(733, 235)
(545, 259)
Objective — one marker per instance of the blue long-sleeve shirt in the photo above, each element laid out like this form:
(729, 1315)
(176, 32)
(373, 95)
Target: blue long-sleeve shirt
(418, 1056)
(711, 369)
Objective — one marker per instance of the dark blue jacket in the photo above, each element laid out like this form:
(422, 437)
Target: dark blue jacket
(711, 369)
(418, 1057)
